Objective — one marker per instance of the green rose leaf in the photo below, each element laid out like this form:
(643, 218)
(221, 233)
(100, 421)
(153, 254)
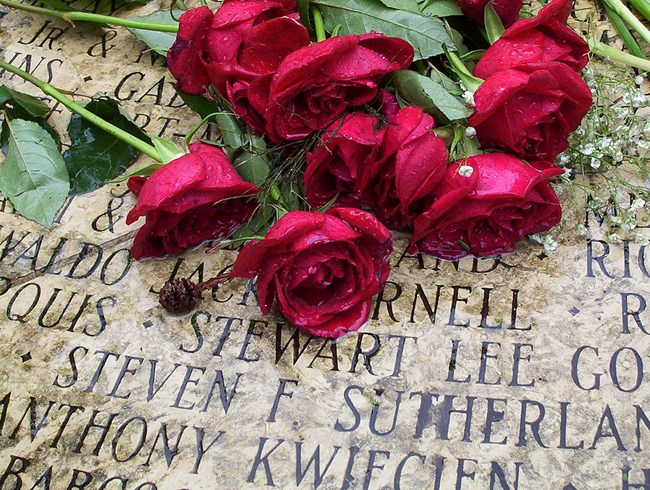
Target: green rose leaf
(57, 5)
(17, 105)
(33, 176)
(426, 34)
(431, 96)
(406, 5)
(440, 8)
(141, 172)
(493, 25)
(199, 104)
(252, 165)
(95, 156)
(160, 42)
(230, 130)
(303, 11)
(167, 150)
(227, 123)
(27, 105)
(257, 226)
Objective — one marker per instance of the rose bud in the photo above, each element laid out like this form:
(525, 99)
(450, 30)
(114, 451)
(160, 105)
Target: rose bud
(243, 40)
(484, 205)
(316, 84)
(347, 147)
(507, 10)
(322, 269)
(530, 110)
(538, 40)
(411, 162)
(196, 197)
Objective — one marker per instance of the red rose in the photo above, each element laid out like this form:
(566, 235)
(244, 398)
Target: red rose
(411, 163)
(541, 39)
(530, 110)
(243, 40)
(507, 10)
(323, 269)
(184, 57)
(487, 212)
(334, 167)
(316, 84)
(196, 197)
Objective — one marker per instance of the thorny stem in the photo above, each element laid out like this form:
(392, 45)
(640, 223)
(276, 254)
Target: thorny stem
(71, 16)
(617, 55)
(48, 89)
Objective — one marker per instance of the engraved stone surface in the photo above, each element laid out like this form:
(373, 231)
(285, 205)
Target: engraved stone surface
(529, 371)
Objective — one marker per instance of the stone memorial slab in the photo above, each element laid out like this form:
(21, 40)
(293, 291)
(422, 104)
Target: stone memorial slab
(527, 371)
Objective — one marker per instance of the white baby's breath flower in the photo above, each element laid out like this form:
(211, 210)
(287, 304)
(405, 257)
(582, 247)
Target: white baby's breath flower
(638, 80)
(595, 163)
(614, 238)
(638, 99)
(615, 220)
(605, 143)
(465, 170)
(547, 241)
(588, 149)
(470, 132)
(637, 203)
(469, 98)
(629, 224)
(550, 245)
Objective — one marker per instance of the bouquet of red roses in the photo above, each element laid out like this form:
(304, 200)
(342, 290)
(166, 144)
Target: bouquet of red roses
(382, 159)
(437, 119)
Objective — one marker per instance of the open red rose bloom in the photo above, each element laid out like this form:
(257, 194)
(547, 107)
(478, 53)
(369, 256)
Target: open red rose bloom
(488, 211)
(322, 268)
(375, 161)
(194, 198)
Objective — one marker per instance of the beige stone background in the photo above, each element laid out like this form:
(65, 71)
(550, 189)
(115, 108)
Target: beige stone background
(57, 327)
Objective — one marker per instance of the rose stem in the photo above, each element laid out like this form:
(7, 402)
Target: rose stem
(642, 6)
(48, 89)
(624, 32)
(619, 56)
(214, 281)
(319, 26)
(627, 15)
(71, 16)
